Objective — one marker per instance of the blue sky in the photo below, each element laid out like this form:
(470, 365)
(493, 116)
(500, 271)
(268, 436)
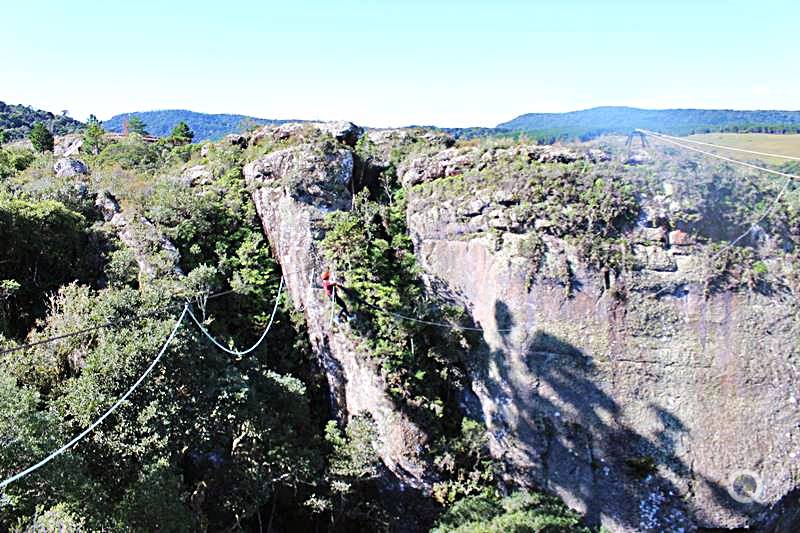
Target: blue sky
(392, 63)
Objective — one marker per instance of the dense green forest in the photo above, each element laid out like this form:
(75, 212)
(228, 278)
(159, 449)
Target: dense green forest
(16, 121)
(205, 126)
(597, 121)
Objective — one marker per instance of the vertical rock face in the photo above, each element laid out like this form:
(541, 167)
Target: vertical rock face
(293, 190)
(640, 399)
(638, 395)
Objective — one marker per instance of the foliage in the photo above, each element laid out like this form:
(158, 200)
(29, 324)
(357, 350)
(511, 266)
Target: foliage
(27, 228)
(93, 136)
(371, 245)
(41, 138)
(14, 160)
(133, 153)
(466, 462)
(354, 456)
(352, 473)
(729, 268)
(16, 121)
(57, 519)
(181, 134)
(137, 126)
(205, 439)
(521, 512)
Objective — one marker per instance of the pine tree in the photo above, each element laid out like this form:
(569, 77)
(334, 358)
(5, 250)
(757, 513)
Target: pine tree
(181, 134)
(93, 136)
(41, 138)
(136, 125)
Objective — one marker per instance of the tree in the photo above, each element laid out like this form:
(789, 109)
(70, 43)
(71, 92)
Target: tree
(93, 136)
(2, 137)
(181, 134)
(41, 137)
(136, 125)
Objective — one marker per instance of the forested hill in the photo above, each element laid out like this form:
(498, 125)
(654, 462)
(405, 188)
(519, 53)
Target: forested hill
(590, 123)
(204, 125)
(16, 121)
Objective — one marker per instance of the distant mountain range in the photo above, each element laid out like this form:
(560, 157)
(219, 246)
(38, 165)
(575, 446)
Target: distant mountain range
(597, 121)
(204, 125)
(16, 121)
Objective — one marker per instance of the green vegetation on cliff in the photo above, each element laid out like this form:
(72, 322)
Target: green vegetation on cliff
(215, 442)
(209, 441)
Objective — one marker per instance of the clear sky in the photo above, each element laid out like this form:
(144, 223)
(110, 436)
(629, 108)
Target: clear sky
(392, 63)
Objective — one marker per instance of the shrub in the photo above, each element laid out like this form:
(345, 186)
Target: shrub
(41, 138)
(520, 512)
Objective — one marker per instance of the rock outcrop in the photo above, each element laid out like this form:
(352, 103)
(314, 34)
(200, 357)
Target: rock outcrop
(641, 397)
(154, 253)
(293, 190)
(67, 167)
(638, 398)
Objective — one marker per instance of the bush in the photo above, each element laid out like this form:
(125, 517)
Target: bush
(521, 512)
(45, 246)
(132, 153)
(41, 138)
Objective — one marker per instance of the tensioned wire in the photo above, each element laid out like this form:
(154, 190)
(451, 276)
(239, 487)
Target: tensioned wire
(105, 415)
(770, 208)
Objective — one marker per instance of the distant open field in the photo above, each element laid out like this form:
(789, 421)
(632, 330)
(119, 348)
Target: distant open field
(760, 142)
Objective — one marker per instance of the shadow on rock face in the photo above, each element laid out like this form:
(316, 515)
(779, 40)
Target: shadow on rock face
(549, 409)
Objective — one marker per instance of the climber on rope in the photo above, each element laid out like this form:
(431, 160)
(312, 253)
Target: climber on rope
(331, 291)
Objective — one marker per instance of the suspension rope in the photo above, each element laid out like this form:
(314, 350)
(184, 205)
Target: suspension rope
(721, 147)
(105, 415)
(109, 324)
(765, 214)
(258, 342)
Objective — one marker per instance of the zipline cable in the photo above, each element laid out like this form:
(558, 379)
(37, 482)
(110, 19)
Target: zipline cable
(104, 325)
(721, 147)
(258, 342)
(105, 415)
(765, 214)
(711, 154)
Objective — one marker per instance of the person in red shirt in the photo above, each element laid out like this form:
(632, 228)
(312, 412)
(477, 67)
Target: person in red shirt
(331, 291)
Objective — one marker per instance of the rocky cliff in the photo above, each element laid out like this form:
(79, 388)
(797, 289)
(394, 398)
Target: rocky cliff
(626, 364)
(294, 188)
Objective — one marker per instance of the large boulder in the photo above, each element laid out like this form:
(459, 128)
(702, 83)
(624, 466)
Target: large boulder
(154, 253)
(196, 175)
(67, 167)
(344, 132)
(68, 145)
